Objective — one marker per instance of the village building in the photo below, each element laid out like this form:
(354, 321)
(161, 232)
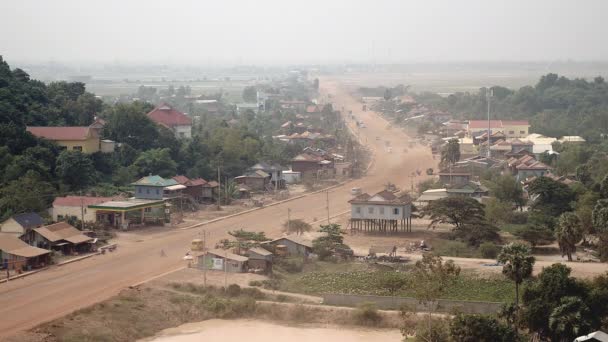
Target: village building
(572, 139)
(85, 139)
(255, 180)
(471, 189)
(131, 213)
(292, 177)
(20, 224)
(293, 245)
(75, 207)
(260, 259)
(527, 166)
(195, 188)
(19, 256)
(312, 166)
(274, 170)
(430, 195)
(510, 129)
(152, 187)
(210, 106)
(179, 123)
(382, 212)
(242, 108)
(222, 260)
(541, 143)
(60, 236)
(453, 178)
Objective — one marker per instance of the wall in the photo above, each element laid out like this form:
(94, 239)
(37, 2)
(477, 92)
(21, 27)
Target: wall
(292, 177)
(404, 211)
(89, 214)
(183, 131)
(519, 131)
(90, 145)
(394, 303)
(11, 226)
(148, 192)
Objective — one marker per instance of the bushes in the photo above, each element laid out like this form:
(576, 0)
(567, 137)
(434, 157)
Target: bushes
(233, 290)
(488, 250)
(255, 283)
(455, 249)
(291, 265)
(367, 314)
(480, 328)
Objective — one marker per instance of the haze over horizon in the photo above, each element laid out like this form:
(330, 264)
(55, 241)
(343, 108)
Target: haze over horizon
(324, 32)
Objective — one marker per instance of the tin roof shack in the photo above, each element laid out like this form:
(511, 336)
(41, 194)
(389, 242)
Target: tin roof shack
(61, 236)
(18, 255)
(255, 180)
(194, 187)
(295, 245)
(20, 224)
(274, 170)
(454, 178)
(260, 259)
(222, 260)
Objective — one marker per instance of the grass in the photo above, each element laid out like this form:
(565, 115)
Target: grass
(346, 278)
(511, 228)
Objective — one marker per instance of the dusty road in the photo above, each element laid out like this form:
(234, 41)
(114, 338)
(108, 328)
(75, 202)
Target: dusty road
(44, 296)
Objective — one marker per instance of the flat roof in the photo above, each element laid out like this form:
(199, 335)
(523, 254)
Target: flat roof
(132, 203)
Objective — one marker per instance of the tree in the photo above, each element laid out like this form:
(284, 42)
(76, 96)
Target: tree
(552, 198)
(600, 223)
(75, 169)
(430, 277)
(498, 212)
(29, 193)
(569, 320)
(296, 226)
(333, 240)
(155, 162)
(250, 94)
(569, 232)
(450, 153)
(507, 189)
(128, 123)
(454, 210)
(388, 94)
(604, 187)
(480, 328)
(518, 264)
(542, 296)
(535, 235)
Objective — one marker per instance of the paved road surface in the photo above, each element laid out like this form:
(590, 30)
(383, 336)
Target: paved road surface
(44, 296)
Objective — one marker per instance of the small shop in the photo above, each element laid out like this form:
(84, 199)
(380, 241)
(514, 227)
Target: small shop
(132, 213)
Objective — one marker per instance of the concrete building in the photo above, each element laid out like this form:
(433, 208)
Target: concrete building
(75, 207)
(176, 121)
(152, 187)
(18, 225)
(292, 177)
(84, 139)
(383, 211)
(511, 129)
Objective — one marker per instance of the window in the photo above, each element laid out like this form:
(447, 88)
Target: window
(148, 191)
(77, 148)
(511, 132)
(139, 190)
(358, 210)
(147, 210)
(381, 210)
(395, 211)
(370, 210)
(522, 132)
(157, 191)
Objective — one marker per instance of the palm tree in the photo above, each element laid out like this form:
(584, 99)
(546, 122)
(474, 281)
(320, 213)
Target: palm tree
(297, 226)
(569, 232)
(518, 264)
(569, 319)
(450, 154)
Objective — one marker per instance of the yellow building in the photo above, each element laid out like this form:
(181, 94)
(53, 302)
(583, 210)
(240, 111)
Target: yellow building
(511, 129)
(84, 139)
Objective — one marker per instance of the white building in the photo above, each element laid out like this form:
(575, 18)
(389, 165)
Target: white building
(384, 211)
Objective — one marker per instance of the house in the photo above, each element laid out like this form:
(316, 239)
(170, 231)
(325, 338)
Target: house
(176, 121)
(20, 224)
(429, 196)
(541, 143)
(260, 258)
(384, 205)
(75, 207)
(571, 139)
(131, 212)
(210, 106)
(454, 177)
(19, 256)
(471, 189)
(511, 129)
(222, 260)
(210, 190)
(343, 169)
(294, 244)
(85, 139)
(274, 170)
(194, 187)
(242, 108)
(518, 145)
(312, 166)
(313, 109)
(255, 180)
(152, 187)
(527, 166)
(60, 236)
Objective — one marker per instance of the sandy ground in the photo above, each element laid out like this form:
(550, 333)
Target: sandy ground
(260, 331)
(47, 295)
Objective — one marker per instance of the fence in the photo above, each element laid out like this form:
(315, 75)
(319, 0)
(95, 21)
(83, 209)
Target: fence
(395, 303)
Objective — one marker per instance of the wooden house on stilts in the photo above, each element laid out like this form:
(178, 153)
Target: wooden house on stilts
(383, 212)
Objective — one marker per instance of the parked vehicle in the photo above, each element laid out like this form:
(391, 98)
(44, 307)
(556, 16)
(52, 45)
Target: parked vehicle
(355, 191)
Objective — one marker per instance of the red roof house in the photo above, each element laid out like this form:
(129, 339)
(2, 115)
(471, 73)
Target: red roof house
(167, 116)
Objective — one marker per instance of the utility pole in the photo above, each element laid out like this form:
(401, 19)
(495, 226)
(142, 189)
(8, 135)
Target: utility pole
(225, 270)
(289, 220)
(219, 188)
(81, 211)
(489, 95)
(205, 258)
(327, 204)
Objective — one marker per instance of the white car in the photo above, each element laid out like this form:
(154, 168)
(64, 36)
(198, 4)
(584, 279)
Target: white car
(355, 191)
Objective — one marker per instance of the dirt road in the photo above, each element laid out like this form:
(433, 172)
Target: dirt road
(29, 301)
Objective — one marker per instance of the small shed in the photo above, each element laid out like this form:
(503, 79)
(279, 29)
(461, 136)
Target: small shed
(18, 255)
(221, 260)
(260, 258)
(60, 236)
(295, 245)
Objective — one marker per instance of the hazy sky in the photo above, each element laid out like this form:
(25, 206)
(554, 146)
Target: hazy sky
(319, 31)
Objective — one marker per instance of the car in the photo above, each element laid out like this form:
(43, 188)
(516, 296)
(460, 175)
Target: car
(362, 125)
(355, 191)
